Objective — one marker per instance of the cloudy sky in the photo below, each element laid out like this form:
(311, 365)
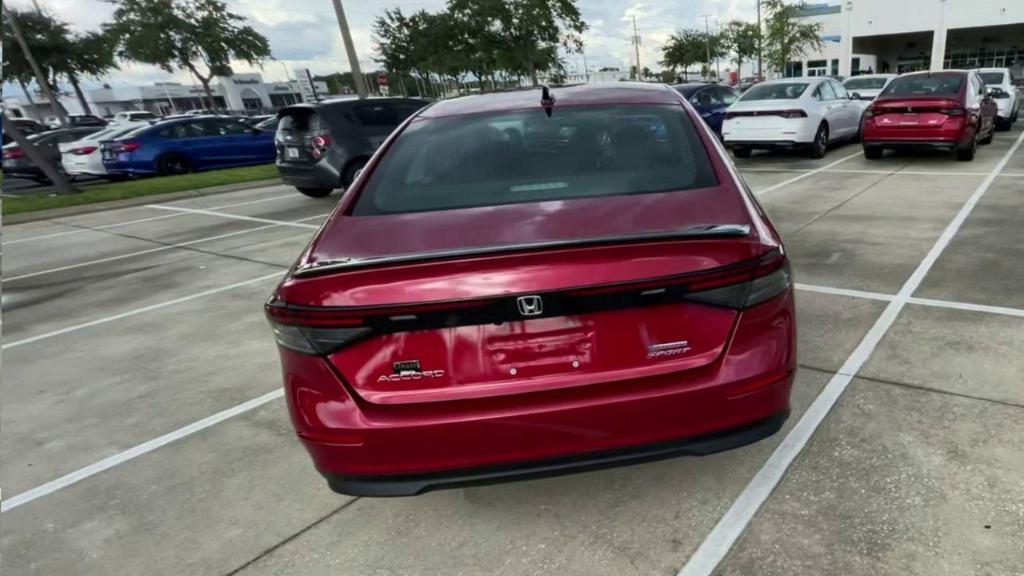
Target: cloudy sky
(304, 33)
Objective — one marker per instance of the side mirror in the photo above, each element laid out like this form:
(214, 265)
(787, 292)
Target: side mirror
(854, 95)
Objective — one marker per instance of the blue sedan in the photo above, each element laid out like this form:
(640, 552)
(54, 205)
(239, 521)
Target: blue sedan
(189, 144)
(710, 100)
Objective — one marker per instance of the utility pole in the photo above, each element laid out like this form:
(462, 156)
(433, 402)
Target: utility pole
(38, 72)
(707, 41)
(586, 69)
(636, 47)
(760, 33)
(60, 182)
(350, 49)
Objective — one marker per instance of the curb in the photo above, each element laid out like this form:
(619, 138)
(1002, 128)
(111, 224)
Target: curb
(52, 213)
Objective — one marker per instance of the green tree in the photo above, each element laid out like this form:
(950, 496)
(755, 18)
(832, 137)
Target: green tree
(528, 31)
(786, 36)
(200, 36)
(740, 39)
(59, 53)
(683, 49)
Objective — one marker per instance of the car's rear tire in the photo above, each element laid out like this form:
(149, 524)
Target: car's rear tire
(173, 165)
(873, 152)
(967, 154)
(743, 152)
(351, 171)
(820, 144)
(1002, 125)
(315, 192)
(991, 135)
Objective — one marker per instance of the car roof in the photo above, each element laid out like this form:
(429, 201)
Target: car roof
(689, 87)
(937, 72)
(871, 76)
(805, 79)
(582, 94)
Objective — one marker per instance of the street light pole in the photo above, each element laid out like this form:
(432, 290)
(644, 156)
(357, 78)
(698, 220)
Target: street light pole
(707, 41)
(36, 70)
(636, 47)
(760, 32)
(350, 49)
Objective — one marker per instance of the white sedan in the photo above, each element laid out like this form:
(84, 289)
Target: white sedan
(865, 88)
(791, 113)
(82, 157)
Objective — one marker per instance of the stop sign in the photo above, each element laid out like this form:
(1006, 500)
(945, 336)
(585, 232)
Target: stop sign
(382, 80)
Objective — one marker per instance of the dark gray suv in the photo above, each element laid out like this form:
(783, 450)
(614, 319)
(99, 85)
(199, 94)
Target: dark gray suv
(322, 146)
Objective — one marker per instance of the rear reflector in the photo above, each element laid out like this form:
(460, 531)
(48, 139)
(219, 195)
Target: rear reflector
(12, 153)
(321, 331)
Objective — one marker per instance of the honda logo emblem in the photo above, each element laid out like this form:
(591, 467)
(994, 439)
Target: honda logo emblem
(530, 305)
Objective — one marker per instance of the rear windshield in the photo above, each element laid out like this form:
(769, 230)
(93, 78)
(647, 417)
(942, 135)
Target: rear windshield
(992, 78)
(301, 120)
(779, 91)
(525, 156)
(925, 85)
(864, 83)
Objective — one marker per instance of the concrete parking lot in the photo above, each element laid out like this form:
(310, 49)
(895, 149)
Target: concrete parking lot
(144, 430)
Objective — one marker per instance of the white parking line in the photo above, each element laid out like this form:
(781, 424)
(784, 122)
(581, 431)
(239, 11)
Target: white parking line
(140, 220)
(729, 528)
(135, 451)
(233, 216)
(805, 175)
(151, 250)
(999, 310)
(137, 311)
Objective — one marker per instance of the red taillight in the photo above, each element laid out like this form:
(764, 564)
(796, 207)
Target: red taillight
(953, 111)
(792, 114)
(322, 142)
(12, 153)
(317, 332)
(84, 150)
(126, 146)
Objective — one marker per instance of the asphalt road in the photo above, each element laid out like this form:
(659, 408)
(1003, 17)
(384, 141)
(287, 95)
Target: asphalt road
(144, 430)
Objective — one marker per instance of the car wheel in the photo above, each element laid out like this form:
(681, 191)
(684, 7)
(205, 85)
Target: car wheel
(1001, 125)
(820, 144)
(967, 154)
(315, 192)
(351, 172)
(173, 164)
(873, 152)
(991, 134)
(741, 152)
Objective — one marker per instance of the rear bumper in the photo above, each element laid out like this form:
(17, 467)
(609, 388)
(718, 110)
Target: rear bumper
(392, 449)
(319, 175)
(766, 144)
(947, 145)
(412, 484)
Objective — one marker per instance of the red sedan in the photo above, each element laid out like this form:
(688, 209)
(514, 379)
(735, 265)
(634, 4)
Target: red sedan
(949, 110)
(531, 283)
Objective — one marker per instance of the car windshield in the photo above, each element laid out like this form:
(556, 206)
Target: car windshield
(525, 156)
(778, 91)
(925, 85)
(992, 78)
(864, 83)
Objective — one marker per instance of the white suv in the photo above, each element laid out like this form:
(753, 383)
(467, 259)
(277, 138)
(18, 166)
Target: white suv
(1000, 85)
(132, 116)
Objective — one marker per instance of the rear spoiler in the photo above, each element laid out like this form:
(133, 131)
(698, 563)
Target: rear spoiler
(700, 231)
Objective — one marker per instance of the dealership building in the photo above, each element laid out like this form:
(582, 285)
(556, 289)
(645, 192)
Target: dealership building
(240, 92)
(897, 36)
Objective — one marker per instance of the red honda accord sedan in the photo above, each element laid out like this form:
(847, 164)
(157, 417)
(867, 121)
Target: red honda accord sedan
(948, 110)
(531, 283)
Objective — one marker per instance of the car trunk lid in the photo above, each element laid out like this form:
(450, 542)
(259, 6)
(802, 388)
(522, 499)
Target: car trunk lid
(489, 313)
(915, 114)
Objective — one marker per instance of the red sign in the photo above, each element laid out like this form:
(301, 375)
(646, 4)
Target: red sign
(382, 80)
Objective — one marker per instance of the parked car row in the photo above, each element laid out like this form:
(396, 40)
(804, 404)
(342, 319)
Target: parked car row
(951, 110)
(136, 145)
